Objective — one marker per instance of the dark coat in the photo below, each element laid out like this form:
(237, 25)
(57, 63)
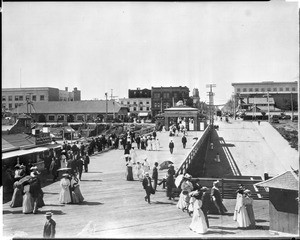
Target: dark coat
(183, 140)
(171, 145)
(49, 229)
(155, 174)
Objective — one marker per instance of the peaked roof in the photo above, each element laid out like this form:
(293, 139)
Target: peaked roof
(86, 106)
(288, 180)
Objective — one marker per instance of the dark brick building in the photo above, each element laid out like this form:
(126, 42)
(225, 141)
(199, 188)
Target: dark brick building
(139, 93)
(166, 97)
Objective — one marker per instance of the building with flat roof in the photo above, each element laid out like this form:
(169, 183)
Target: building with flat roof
(285, 94)
(15, 97)
(75, 111)
(166, 97)
(139, 107)
(139, 93)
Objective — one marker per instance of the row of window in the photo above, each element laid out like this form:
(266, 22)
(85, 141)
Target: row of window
(10, 105)
(281, 89)
(21, 98)
(141, 108)
(158, 105)
(167, 95)
(128, 103)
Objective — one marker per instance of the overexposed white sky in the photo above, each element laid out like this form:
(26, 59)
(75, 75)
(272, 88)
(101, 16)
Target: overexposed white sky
(99, 46)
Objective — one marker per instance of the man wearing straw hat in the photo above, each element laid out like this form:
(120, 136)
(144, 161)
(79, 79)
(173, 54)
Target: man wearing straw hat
(49, 227)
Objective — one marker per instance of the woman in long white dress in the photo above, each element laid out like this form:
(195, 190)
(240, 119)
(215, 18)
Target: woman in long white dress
(198, 223)
(186, 188)
(240, 213)
(139, 171)
(27, 199)
(65, 195)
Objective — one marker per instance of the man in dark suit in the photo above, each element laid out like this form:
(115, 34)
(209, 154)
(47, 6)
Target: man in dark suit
(171, 146)
(155, 175)
(184, 140)
(49, 227)
(206, 202)
(148, 187)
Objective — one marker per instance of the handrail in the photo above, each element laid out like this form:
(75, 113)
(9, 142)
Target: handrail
(185, 164)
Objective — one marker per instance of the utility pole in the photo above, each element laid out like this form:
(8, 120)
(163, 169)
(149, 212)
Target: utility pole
(106, 107)
(211, 103)
(113, 98)
(292, 106)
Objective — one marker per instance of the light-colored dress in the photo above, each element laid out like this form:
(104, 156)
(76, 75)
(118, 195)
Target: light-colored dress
(17, 198)
(249, 207)
(64, 196)
(139, 172)
(240, 213)
(27, 200)
(146, 166)
(133, 156)
(184, 198)
(63, 161)
(198, 223)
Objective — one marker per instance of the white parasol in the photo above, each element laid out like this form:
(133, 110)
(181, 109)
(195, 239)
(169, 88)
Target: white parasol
(178, 180)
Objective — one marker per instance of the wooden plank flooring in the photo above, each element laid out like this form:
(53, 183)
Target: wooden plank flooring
(115, 208)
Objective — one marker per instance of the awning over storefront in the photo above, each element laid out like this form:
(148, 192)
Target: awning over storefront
(22, 152)
(143, 114)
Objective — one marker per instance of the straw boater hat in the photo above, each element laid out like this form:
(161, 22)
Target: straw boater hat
(33, 168)
(48, 214)
(216, 182)
(65, 175)
(204, 188)
(146, 174)
(187, 176)
(247, 191)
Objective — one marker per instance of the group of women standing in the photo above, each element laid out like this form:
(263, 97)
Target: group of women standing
(243, 212)
(70, 190)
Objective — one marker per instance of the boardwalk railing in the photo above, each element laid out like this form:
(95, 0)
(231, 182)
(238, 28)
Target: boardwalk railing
(144, 131)
(189, 158)
(228, 186)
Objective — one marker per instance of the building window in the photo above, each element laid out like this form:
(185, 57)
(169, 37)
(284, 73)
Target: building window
(293, 89)
(262, 90)
(16, 98)
(134, 103)
(147, 108)
(141, 108)
(134, 109)
(10, 106)
(166, 95)
(9, 98)
(269, 89)
(3, 98)
(275, 89)
(51, 118)
(16, 105)
(244, 89)
(175, 95)
(20, 98)
(60, 118)
(128, 103)
(287, 89)
(33, 97)
(121, 102)
(156, 95)
(42, 98)
(80, 118)
(141, 103)
(281, 89)
(4, 106)
(250, 89)
(238, 89)
(147, 102)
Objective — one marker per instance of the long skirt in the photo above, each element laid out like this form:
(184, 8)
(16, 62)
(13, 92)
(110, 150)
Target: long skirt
(242, 217)
(27, 203)
(129, 174)
(76, 195)
(64, 196)
(250, 212)
(183, 201)
(17, 198)
(198, 224)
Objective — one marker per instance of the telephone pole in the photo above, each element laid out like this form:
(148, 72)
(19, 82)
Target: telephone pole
(113, 98)
(211, 103)
(106, 107)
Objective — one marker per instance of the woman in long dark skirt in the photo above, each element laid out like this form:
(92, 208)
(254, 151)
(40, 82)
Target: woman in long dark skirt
(170, 183)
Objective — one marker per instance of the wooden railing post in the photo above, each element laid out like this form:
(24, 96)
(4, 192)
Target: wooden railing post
(222, 188)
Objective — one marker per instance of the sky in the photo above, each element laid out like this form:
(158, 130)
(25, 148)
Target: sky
(99, 46)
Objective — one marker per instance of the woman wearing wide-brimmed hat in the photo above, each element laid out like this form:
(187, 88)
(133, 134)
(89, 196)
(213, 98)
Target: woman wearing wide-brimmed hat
(186, 188)
(64, 196)
(217, 199)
